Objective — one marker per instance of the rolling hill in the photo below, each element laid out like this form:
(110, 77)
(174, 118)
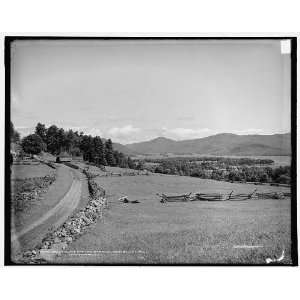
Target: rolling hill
(124, 149)
(220, 144)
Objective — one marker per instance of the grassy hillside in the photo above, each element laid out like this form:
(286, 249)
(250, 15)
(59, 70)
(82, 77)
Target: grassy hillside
(192, 232)
(125, 150)
(158, 145)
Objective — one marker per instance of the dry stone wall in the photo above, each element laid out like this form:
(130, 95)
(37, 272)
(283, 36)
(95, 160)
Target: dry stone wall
(58, 240)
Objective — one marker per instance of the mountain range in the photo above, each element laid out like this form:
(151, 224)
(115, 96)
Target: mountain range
(219, 144)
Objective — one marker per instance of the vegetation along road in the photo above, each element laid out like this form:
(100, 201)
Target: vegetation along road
(53, 218)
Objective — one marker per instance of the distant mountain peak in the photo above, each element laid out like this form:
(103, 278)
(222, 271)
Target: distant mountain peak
(162, 139)
(221, 144)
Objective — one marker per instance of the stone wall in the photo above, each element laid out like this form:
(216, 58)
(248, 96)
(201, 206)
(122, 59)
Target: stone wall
(57, 241)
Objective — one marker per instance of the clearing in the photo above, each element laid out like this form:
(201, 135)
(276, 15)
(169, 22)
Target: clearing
(197, 232)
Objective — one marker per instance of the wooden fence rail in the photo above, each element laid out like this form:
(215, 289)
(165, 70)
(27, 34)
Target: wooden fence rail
(222, 197)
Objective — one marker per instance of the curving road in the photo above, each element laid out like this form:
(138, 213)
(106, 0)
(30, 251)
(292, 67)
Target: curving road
(55, 217)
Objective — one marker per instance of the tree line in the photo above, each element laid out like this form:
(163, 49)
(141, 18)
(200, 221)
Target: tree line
(93, 149)
(222, 171)
(217, 160)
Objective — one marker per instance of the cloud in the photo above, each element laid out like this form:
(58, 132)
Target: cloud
(126, 133)
(259, 131)
(93, 131)
(123, 131)
(186, 133)
(249, 131)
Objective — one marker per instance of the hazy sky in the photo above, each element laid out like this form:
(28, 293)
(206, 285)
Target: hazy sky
(136, 90)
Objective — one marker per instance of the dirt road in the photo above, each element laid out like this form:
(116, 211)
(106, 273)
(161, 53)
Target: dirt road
(32, 234)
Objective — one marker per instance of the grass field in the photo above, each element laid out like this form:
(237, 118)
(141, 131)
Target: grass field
(30, 171)
(194, 232)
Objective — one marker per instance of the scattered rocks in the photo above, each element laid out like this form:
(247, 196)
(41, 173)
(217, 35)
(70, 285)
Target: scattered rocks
(29, 190)
(124, 199)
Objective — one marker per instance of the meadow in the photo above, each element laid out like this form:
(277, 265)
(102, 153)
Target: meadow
(30, 171)
(197, 232)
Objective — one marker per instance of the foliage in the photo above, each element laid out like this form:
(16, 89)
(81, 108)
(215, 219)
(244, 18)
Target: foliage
(216, 160)
(41, 130)
(32, 144)
(109, 154)
(92, 149)
(218, 168)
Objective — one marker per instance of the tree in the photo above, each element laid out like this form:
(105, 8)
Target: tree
(41, 130)
(32, 144)
(130, 162)
(52, 140)
(159, 169)
(61, 140)
(99, 151)
(264, 177)
(123, 161)
(90, 153)
(141, 165)
(109, 155)
(72, 142)
(117, 157)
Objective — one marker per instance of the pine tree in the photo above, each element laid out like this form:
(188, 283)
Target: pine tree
(109, 155)
(41, 130)
(117, 157)
(99, 151)
(52, 140)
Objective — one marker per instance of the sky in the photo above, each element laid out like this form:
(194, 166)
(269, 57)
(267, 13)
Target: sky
(136, 90)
